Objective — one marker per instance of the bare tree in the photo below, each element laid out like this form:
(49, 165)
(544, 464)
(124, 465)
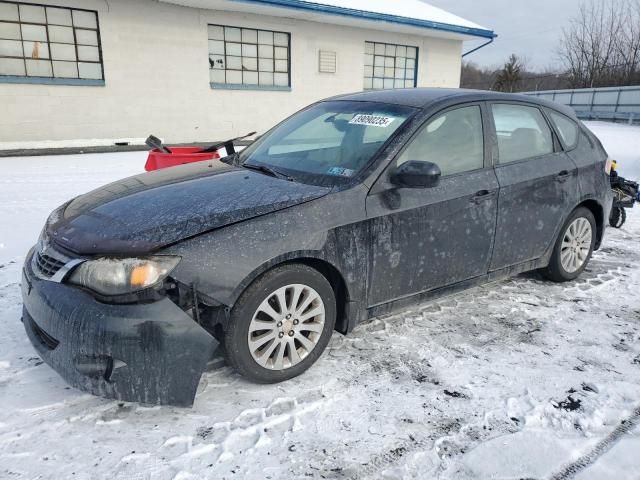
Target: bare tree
(510, 76)
(474, 76)
(629, 47)
(483, 78)
(601, 46)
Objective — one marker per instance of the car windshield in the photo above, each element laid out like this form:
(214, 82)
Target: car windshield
(328, 142)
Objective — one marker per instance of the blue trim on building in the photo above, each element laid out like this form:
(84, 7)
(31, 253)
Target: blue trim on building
(78, 82)
(240, 86)
(384, 17)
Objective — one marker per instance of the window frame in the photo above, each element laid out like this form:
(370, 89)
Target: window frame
(243, 86)
(429, 118)
(404, 79)
(557, 147)
(53, 80)
(567, 148)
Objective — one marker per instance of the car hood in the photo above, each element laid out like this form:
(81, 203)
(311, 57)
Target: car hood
(143, 213)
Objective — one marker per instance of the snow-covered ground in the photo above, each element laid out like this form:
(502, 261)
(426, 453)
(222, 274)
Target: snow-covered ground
(622, 143)
(518, 379)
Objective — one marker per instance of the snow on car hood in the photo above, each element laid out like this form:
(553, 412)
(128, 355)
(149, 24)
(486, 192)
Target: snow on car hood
(142, 213)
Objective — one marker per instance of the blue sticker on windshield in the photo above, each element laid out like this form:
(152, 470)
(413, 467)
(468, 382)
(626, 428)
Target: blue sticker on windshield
(340, 172)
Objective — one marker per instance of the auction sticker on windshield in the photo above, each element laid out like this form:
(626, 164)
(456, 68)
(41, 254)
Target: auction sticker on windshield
(372, 120)
(341, 172)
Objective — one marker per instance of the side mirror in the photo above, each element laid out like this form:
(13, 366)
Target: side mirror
(414, 174)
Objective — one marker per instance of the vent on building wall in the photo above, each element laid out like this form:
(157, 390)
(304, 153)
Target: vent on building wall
(327, 61)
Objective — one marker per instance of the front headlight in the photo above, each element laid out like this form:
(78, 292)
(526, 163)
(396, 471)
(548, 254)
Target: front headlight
(109, 276)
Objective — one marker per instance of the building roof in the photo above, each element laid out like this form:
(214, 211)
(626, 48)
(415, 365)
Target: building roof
(414, 14)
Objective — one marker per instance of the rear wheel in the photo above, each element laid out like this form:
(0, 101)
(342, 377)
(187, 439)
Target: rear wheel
(281, 324)
(573, 248)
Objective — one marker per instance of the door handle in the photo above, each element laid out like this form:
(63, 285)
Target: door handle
(483, 195)
(563, 176)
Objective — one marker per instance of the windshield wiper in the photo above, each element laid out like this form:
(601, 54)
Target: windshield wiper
(268, 171)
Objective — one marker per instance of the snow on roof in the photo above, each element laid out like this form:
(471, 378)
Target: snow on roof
(413, 9)
(407, 13)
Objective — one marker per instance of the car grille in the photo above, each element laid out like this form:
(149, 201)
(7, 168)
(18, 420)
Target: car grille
(47, 266)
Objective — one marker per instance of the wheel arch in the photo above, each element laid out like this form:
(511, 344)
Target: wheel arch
(333, 275)
(598, 213)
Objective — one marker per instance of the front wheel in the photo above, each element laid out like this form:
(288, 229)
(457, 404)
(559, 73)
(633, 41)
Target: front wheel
(281, 324)
(573, 248)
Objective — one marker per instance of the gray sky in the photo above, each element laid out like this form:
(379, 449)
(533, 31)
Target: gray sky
(530, 28)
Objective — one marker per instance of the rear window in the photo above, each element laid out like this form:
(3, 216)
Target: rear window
(567, 129)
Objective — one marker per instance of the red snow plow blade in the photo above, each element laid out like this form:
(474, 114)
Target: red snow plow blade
(178, 156)
(162, 156)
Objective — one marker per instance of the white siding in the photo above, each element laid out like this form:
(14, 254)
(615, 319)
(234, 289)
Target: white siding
(157, 78)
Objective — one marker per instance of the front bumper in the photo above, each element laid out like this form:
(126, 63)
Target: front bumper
(151, 353)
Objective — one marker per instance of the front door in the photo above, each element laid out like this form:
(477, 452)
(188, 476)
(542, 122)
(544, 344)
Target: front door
(538, 185)
(425, 238)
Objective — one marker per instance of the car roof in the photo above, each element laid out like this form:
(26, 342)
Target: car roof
(425, 97)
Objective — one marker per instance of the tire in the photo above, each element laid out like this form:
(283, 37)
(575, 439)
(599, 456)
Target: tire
(574, 246)
(259, 306)
(618, 217)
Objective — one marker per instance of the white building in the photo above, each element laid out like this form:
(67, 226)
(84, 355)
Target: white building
(93, 72)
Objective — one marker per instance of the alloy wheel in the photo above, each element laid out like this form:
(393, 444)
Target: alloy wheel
(576, 245)
(286, 327)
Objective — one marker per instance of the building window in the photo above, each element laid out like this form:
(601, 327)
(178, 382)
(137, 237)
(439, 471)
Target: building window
(249, 58)
(390, 66)
(61, 45)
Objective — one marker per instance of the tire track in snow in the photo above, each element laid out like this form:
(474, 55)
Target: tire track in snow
(600, 449)
(378, 463)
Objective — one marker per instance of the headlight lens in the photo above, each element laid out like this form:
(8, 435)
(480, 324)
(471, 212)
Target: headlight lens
(109, 276)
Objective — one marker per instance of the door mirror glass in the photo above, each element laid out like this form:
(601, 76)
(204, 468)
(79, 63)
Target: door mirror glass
(416, 174)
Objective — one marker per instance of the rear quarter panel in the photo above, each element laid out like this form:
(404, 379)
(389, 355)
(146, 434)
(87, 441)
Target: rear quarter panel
(591, 158)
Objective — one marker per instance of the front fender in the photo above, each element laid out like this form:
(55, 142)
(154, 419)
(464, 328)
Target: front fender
(224, 262)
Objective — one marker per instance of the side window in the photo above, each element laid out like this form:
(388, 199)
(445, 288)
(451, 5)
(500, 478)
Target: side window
(453, 140)
(566, 127)
(522, 132)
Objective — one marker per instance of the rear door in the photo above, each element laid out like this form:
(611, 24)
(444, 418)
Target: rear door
(425, 238)
(538, 184)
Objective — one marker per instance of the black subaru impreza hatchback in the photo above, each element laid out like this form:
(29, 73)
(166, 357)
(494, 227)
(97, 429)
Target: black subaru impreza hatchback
(352, 208)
